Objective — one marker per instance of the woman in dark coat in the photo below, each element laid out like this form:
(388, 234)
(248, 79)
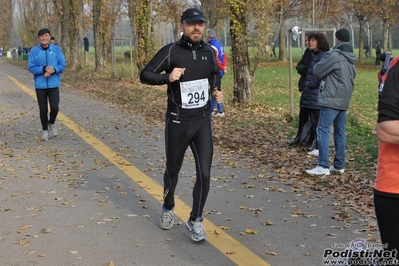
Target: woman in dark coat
(319, 45)
(302, 68)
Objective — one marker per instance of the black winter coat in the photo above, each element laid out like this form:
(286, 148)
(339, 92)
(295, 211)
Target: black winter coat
(311, 84)
(302, 67)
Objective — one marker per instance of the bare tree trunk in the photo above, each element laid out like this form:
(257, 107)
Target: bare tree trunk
(243, 82)
(389, 46)
(243, 86)
(142, 26)
(98, 41)
(371, 43)
(6, 12)
(282, 55)
(30, 13)
(361, 40)
(72, 12)
(385, 34)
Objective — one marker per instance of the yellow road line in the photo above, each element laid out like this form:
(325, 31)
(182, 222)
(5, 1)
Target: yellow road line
(233, 249)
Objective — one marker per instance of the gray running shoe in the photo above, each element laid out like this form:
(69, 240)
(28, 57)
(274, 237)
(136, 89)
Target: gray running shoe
(53, 130)
(197, 229)
(167, 219)
(44, 135)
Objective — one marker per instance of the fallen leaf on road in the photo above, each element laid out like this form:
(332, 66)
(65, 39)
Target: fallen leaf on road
(271, 253)
(251, 232)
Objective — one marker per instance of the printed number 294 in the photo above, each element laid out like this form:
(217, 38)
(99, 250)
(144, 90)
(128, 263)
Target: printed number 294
(196, 97)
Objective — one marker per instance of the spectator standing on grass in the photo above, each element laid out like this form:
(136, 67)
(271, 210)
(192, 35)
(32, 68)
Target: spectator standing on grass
(222, 64)
(318, 43)
(377, 53)
(46, 62)
(189, 69)
(274, 49)
(386, 187)
(337, 72)
(366, 48)
(86, 44)
(302, 68)
(1, 53)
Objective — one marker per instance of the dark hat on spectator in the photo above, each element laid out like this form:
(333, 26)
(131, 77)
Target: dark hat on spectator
(342, 35)
(43, 31)
(192, 14)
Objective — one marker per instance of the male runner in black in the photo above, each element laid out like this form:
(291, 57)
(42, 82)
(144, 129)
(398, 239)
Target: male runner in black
(189, 68)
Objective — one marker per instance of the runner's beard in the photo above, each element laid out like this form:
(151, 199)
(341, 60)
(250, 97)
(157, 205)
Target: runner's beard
(195, 41)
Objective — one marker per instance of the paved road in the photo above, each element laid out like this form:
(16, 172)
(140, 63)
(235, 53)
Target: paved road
(92, 195)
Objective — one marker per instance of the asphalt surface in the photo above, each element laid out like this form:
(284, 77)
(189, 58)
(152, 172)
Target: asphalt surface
(92, 195)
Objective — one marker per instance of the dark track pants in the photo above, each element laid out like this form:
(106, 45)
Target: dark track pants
(387, 211)
(178, 136)
(53, 96)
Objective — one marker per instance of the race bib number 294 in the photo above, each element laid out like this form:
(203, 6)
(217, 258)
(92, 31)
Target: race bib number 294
(194, 94)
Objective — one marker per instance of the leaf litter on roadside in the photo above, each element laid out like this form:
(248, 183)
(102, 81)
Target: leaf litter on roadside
(254, 135)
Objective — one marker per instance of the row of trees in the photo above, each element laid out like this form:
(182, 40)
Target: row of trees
(252, 23)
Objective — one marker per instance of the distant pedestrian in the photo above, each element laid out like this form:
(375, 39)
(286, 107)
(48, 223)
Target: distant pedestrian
(19, 53)
(377, 53)
(46, 62)
(53, 41)
(274, 49)
(337, 72)
(221, 58)
(189, 69)
(86, 43)
(1, 53)
(366, 49)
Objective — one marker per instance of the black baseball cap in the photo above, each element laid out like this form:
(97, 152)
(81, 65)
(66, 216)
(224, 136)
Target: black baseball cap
(43, 31)
(192, 14)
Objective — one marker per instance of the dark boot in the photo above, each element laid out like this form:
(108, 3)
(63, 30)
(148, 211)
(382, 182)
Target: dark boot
(295, 142)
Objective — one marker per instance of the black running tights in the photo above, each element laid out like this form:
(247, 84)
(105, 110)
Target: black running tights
(387, 211)
(53, 96)
(178, 136)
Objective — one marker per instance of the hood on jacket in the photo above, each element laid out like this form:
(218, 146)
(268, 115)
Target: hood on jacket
(344, 47)
(346, 50)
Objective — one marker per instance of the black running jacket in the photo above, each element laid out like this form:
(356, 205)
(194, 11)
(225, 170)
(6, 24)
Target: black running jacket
(200, 63)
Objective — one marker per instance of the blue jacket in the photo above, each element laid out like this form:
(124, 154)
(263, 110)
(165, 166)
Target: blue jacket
(218, 46)
(39, 58)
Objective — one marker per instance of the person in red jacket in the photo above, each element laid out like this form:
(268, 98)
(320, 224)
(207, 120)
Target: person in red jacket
(222, 64)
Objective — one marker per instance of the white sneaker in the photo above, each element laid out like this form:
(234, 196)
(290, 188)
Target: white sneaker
(219, 114)
(45, 135)
(318, 170)
(314, 152)
(53, 130)
(197, 229)
(167, 219)
(339, 171)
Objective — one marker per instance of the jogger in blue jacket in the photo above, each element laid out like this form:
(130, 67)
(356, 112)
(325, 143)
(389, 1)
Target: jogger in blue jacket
(46, 62)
